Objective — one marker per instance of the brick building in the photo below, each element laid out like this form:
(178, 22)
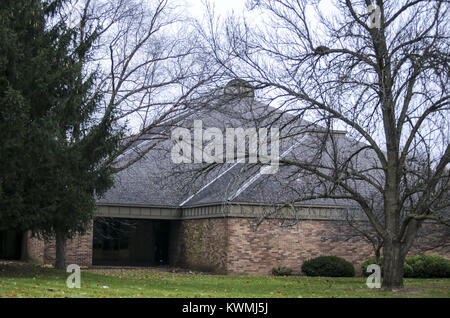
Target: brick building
(230, 218)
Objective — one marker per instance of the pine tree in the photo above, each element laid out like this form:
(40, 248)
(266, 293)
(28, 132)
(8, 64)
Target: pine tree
(60, 147)
(25, 96)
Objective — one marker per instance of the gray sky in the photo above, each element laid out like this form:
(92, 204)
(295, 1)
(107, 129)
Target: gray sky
(223, 7)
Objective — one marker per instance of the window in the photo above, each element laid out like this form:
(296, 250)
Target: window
(130, 242)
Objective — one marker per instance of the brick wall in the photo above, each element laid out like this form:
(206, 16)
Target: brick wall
(199, 244)
(432, 238)
(232, 245)
(36, 248)
(258, 251)
(78, 250)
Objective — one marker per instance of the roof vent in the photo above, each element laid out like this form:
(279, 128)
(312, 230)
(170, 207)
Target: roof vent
(240, 89)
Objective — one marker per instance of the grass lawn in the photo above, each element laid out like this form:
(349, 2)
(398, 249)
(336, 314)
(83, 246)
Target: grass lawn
(33, 281)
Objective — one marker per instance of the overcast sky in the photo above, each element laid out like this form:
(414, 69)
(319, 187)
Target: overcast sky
(196, 8)
(223, 7)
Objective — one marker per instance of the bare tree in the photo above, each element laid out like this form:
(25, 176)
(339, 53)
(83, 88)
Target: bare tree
(149, 61)
(377, 69)
(147, 68)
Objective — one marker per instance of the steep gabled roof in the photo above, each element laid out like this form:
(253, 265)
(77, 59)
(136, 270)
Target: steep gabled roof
(155, 180)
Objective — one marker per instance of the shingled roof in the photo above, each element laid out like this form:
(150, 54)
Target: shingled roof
(155, 181)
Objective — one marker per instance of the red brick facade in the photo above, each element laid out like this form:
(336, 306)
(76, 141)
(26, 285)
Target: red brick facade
(200, 244)
(258, 251)
(35, 249)
(78, 250)
(234, 246)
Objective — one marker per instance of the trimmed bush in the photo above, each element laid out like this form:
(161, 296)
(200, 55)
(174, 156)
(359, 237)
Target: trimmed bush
(281, 271)
(427, 266)
(328, 266)
(417, 266)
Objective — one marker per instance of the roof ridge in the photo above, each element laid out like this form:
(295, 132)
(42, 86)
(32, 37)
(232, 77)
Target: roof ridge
(259, 174)
(209, 183)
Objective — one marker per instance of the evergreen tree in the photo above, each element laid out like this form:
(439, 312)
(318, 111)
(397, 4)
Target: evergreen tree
(55, 164)
(26, 95)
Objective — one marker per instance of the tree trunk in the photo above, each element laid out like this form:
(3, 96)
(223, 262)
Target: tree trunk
(393, 266)
(378, 255)
(60, 262)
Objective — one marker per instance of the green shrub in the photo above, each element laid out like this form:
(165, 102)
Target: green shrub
(370, 261)
(407, 270)
(329, 266)
(427, 266)
(281, 271)
(417, 266)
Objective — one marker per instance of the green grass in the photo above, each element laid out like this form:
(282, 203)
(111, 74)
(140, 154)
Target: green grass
(34, 281)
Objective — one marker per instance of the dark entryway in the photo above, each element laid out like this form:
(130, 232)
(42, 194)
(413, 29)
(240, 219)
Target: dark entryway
(130, 242)
(10, 244)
